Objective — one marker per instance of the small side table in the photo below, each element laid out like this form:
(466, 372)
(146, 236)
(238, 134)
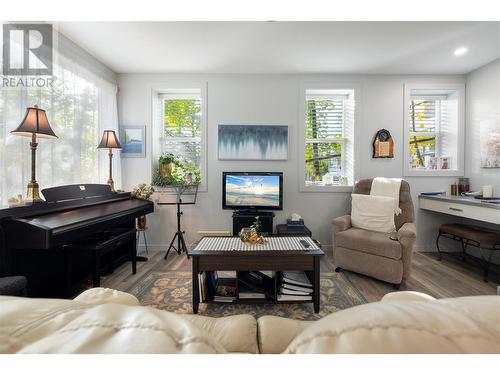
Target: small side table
(285, 230)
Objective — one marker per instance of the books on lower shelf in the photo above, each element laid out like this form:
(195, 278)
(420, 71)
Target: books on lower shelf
(229, 286)
(285, 297)
(286, 290)
(296, 278)
(294, 286)
(226, 289)
(255, 284)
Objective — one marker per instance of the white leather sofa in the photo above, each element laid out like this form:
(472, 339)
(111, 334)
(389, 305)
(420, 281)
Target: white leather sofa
(108, 321)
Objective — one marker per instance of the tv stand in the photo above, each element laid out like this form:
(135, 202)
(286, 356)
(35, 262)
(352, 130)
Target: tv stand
(245, 218)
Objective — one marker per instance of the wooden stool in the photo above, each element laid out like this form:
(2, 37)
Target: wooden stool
(484, 239)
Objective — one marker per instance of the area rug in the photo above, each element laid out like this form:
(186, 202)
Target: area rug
(171, 291)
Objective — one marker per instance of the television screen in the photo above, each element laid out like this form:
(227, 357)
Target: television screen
(258, 190)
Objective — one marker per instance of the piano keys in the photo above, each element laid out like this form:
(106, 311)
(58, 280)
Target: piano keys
(45, 241)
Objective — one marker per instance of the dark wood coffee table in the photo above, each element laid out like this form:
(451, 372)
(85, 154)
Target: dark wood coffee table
(264, 258)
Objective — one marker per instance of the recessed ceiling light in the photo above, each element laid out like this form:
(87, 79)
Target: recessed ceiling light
(460, 51)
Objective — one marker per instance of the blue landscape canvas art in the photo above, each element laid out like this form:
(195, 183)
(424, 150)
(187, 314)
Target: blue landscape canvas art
(253, 142)
(132, 140)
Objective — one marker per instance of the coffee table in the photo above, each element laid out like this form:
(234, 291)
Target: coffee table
(279, 253)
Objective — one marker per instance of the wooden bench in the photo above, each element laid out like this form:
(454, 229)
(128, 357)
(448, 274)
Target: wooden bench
(484, 239)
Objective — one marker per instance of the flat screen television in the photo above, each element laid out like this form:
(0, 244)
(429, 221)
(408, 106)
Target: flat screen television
(252, 190)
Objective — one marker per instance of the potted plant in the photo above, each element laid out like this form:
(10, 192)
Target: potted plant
(173, 170)
(251, 234)
(142, 191)
(165, 164)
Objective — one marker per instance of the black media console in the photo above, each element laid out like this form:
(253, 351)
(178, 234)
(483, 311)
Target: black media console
(245, 218)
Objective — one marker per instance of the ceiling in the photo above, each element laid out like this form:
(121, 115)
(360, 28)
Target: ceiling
(288, 47)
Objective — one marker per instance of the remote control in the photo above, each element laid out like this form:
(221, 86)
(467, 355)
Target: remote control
(305, 243)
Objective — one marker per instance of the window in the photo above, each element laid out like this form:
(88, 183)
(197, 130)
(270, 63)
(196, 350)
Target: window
(181, 125)
(328, 138)
(433, 130)
(75, 112)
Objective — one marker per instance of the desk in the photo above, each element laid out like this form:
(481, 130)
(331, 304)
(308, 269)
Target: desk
(466, 207)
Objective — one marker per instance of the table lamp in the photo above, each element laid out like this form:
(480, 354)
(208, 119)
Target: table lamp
(110, 141)
(35, 123)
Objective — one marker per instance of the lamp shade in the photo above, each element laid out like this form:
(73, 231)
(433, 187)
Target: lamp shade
(109, 140)
(35, 122)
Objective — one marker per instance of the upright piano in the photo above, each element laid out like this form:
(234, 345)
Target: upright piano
(49, 242)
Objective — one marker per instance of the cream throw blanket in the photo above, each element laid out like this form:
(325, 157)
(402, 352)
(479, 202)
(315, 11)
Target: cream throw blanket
(387, 187)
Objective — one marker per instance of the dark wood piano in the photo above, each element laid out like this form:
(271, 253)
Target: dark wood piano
(76, 232)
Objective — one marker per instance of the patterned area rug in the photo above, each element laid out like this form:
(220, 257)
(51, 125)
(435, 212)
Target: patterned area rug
(171, 291)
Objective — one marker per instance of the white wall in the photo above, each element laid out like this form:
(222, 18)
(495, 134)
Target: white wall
(483, 104)
(274, 99)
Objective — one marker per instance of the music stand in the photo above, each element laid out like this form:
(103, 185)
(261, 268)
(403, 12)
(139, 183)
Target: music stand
(184, 194)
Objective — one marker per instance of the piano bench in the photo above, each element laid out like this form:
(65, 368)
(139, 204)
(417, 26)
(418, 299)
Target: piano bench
(102, 244)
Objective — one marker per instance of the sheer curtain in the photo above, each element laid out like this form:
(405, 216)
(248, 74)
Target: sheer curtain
(108, 120)
(80, 105)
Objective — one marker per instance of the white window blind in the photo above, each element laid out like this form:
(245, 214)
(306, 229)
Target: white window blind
(431, 133)
(181, 118)
(424, 113)
(179, 113)
(434, 126)
(330, 116)
(326, 119)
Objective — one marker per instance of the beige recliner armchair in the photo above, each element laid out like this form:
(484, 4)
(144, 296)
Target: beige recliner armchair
(372, 253)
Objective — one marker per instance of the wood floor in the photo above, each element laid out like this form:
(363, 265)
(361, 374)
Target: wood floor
(450, 277)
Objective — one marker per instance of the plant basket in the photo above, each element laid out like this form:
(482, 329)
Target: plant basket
(166, 170)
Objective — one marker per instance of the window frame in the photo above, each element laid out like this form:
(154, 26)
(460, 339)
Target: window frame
(158, 93)
(334, 86)
(459, 88)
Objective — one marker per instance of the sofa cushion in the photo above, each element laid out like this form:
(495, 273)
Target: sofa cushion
(276, 333)
(370, 242)
(373, 213)
(32, 325)
(406, 295)
(458, 325)
(237, 333)
(98, 296)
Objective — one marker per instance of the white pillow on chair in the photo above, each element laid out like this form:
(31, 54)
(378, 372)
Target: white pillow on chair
(375, 213)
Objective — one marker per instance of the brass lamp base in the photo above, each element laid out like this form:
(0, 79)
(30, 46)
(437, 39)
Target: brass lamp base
(33, 194)
(111, 185)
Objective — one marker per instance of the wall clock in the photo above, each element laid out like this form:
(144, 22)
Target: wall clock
(383, 145)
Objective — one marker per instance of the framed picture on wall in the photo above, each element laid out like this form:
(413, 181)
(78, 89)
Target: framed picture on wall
(253, 142)
(490, 143)
(133, 140)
